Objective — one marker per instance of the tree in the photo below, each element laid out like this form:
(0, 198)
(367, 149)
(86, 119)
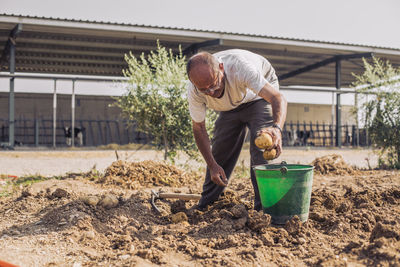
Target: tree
(380, 88)
(156, 100)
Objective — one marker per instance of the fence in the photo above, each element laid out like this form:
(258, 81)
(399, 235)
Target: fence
(102, 132)
(94, 132)
(322, 135)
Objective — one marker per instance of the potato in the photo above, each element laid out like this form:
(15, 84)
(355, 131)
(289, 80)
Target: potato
(264, 141)
(269, 154)
(109, 201)
(90, 200)
(179, 217)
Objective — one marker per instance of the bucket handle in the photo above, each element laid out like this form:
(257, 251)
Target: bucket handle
(284, 169)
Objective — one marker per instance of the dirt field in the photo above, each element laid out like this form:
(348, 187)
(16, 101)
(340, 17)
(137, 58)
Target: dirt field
(107, 220)
(59, 162)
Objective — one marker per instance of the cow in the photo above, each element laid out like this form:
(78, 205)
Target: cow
(302, 138)
(298, 138)
(78, 135)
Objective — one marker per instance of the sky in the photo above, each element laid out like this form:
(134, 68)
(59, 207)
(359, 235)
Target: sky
(365, 22)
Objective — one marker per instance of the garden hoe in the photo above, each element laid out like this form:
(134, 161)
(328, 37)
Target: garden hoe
(158, 195)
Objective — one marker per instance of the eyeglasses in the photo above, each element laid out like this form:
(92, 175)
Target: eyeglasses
(212, 88)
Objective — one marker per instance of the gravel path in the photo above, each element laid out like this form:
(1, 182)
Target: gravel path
(59, 162)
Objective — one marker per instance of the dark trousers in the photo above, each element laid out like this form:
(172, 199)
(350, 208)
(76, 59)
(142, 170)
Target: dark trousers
(229, 136)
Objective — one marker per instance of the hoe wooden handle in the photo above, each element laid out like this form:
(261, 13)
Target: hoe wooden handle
(180, 196)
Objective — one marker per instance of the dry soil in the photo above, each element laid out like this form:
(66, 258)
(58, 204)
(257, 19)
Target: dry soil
(107, 220)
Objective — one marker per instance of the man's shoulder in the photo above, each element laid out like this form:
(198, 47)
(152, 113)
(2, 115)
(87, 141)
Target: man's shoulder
(232, 52)
(241, 57)
(236, 53)
(192, 93)
(229, 55)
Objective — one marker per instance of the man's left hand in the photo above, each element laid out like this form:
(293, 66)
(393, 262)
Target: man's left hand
(276, 137)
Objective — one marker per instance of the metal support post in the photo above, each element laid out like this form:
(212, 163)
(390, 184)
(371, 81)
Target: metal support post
(366, 127)
(332, 116)
(54, 113)
(338, 105)
(11, 99)
(36, 132)
(357, 120)
(73, 114)
(10, 48)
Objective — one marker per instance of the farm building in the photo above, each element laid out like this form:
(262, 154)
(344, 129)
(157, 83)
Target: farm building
(73, 51)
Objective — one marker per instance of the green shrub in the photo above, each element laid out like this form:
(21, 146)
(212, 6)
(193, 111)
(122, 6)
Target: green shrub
(380, 106)
(156, 100)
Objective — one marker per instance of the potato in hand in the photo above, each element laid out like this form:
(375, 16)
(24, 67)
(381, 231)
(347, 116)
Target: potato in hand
(264, 141)
(269, 154)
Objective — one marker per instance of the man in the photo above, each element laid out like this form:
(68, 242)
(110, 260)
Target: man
(244, 88)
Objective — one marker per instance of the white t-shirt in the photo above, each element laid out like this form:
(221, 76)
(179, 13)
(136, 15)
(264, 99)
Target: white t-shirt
(245, 74)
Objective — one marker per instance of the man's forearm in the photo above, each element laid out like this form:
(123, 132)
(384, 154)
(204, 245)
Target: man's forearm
(279, 110)
(203, 143)
(278, 103)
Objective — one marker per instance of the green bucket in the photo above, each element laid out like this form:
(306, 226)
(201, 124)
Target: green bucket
(285, 190)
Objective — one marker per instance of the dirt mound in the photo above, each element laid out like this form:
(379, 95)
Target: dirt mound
(133, 175)
(357, 224)
(332, 164)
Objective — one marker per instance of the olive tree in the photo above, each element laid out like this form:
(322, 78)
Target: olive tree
(155, 100)
(380, 108)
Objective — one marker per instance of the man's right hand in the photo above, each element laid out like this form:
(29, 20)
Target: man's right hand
(218, 175)
(203, 143)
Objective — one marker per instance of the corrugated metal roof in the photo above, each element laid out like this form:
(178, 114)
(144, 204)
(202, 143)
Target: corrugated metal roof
(84, 47)
(196, 30)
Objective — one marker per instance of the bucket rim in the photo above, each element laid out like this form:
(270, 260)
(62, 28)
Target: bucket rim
(278, 167)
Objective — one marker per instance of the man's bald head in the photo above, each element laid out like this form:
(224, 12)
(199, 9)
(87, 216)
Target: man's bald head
(200, 61)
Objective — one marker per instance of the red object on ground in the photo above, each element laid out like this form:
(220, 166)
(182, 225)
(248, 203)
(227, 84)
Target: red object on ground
(6, 264)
